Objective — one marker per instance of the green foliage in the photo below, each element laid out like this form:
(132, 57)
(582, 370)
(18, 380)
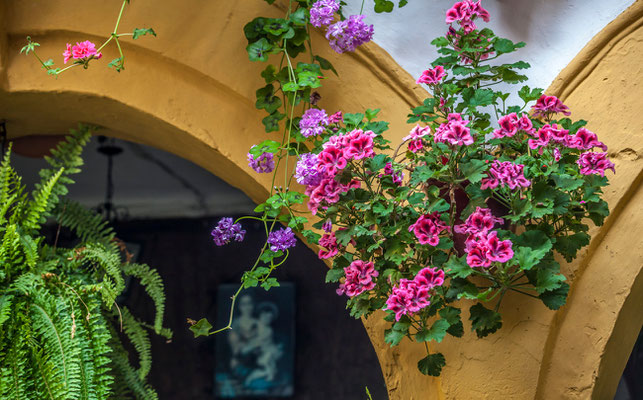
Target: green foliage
(57, 318)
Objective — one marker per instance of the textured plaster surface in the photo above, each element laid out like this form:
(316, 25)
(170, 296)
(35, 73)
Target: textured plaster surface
(191, 92)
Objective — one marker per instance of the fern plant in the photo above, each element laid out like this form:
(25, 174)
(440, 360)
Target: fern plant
(61, 331)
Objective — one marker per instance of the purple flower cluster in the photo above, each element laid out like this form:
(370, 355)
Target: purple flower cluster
(348, 34)
(313, 122)
(306, 171)
(226, 230)
(323, 12)
(281, 239)
(265, 163)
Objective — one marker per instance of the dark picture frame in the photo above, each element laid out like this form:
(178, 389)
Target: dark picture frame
(256, 357)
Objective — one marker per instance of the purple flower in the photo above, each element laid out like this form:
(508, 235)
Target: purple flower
(313, 122)
(265, 163)
(322, 12)
(226, 230)
(348, 34)
(327, 226)
(281, 239)
(306, 171)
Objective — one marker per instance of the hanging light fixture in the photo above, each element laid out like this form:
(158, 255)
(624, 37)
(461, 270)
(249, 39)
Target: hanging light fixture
(110, 149)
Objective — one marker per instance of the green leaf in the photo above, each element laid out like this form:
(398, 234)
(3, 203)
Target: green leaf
(440, 41)
(567, 182)
(383, 6)
(457, 267)
(259, 50)
(482, 97)
(484, 321)
(432, 364)
(548, 280)
(568, 246)
(299, 17)
(462, 288)
(142, 32)
(201, 328)
(555, 299)
(276, 26)
(527, 94)
(437, 332)
(325, 64)
(267, 100)
(452, 316)
(474, 170)
(394, 337)
(271, 122)
(504, 46)
(267, 146)
(334, 275)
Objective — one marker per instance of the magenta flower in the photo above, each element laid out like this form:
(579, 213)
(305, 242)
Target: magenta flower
(347, 35)
(498, 250)
(281, 239)
(477, 257)
(81, 51)
(332, 159)
(322, 12)
(417, 132)
(511, 124)
(265, 163)
(594, 163)
(329, 247)
(410, 296)
(415, 145)
(226, 231)
(313, 122)
(336, 118)
(454, 131)
(360, 144)
(465, 12)
(547, 105)
(359, 278)
(428, 228)
(432, 76)
(584, 140)
(480, 221)
(504, 174)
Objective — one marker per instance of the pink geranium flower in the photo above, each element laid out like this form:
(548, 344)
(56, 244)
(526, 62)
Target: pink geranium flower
(359, 278)
(410, 296)
(428, 228)
(480, 221)
(584, 139)
(432, 76)
(81, 51)
(594, 163)
(547, 105)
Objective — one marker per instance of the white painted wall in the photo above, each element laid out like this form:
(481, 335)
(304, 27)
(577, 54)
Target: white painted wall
(554, 30)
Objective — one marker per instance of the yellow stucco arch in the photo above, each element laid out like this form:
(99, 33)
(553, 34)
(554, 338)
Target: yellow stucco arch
(191, 92)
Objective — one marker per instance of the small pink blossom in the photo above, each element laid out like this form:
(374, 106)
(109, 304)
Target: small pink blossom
(415, 145)
(547, 105)
(432, 76)
(328, 243)
(454, 131)
(336, 118)
(584, 139)
(594, 163)
(417, 132)
(428, 228)
(81, 51)
(410, 296)
(465, 12)
(360, 145)
(396, 176)
(359, 278)
(503, 174)
(484, 248)
(480, 221)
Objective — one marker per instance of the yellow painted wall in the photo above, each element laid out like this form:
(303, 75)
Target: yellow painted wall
(191, 92)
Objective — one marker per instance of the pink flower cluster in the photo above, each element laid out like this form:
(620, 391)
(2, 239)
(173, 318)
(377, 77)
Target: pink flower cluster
(428, 228)
(548, 133)
(505, 173)
(454, 131)
(415, 137)
(594, 163)
(511, 124)
(81, 51)
(547, 105)
(410, 296)
(359, 278)
(483, 246)
(465, 12)
(432, 76)
(336, 153)
(584, 139)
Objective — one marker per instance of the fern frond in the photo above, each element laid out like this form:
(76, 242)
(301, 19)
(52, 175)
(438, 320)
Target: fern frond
(139, 338)
(38, 209)
(5, 308)
(88, 225)
(110, 262)
(153, 284)
(52, 323)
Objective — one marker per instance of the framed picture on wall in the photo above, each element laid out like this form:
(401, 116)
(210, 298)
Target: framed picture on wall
(256, 357)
